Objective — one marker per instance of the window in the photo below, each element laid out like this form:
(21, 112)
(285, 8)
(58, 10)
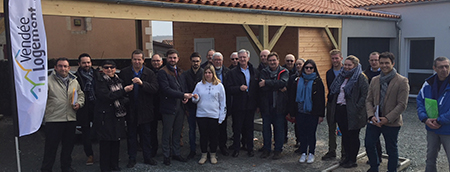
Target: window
(421, 57)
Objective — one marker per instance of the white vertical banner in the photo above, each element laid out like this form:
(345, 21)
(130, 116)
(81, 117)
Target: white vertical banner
(29, 56)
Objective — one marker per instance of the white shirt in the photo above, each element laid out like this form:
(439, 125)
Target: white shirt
(211, 100)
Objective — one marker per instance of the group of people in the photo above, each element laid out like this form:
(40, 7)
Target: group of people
(129, 104)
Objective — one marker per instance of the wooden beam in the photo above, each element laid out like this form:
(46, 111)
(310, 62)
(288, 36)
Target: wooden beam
(265, 36)
(330, 36)
(340, 38)
(2, 25)
(253, 36)
(83, 8)
(275, 37)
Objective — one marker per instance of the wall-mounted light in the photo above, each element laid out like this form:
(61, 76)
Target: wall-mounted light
(77, 22)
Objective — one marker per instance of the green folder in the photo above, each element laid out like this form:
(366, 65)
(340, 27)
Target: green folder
(431, 106)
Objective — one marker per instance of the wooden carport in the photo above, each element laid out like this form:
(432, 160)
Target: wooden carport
(327, 15)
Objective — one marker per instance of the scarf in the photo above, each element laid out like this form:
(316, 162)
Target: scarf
(88, 85)
(219, 73)
(352, 74)
(115, 84)
(384, 83)
(65, 80)
(304, 91)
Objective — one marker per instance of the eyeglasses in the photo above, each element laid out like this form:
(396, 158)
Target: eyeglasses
(234, 59)
(290, 61)
(109, 67)
(309, 67)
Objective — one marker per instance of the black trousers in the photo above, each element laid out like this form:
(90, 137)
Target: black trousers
(154, 136)
(350, 138)
(223, 136)
(208, 128)
(243, 124)
(55, 133)
(109, 155)
(85, 116)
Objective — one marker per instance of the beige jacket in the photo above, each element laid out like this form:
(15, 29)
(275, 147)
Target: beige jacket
(395, 100)
(59, 101)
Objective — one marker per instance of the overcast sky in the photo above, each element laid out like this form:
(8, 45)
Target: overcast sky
(161, 28)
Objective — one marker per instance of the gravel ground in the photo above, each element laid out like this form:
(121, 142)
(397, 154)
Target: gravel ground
(412, 145)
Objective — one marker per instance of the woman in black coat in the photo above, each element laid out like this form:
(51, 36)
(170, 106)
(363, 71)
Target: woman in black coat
(307, 100)
(109, 115)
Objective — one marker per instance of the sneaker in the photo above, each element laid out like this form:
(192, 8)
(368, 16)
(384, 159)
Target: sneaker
(302, 158)
(329, 156)
(310, 158)
(90, 160)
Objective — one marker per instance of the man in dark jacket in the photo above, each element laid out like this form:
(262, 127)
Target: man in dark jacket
(242, 84)
(234, 60)
(172, 99)
(289, 63)
(336, 62)
(156, 64)
(221, 73)
(86, 76)
(208, 61)
(273, 104)
(140, 110)
(191, 78)
(263, 58)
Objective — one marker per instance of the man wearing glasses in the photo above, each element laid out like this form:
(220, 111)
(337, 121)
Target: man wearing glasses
(221, 73)
(289, 63)
(234, 60)
(157, 63)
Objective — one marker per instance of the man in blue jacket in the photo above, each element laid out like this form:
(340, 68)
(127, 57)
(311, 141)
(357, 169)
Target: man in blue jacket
(436, 88)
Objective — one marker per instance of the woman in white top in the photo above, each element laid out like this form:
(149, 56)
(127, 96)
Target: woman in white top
(209, 94)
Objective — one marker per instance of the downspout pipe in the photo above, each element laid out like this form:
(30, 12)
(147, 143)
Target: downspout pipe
(238, 10)
(399, 38)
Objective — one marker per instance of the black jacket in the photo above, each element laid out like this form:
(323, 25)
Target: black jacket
(106, 124)
(317, 97)
(156, 97)
(271, 91)
(330, 78)
(171, 89)
(86, 108)
(229, 102)
(243, 100)
(144, 107)
(190, 81)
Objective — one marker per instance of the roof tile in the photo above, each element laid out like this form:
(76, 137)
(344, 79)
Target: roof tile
(336, 7)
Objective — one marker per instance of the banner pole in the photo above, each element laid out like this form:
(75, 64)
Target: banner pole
(14, 113)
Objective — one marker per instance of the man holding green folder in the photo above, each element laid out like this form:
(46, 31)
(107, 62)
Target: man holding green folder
(433, 109)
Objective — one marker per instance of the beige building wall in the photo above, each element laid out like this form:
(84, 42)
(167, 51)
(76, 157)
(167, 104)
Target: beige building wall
(101, 38)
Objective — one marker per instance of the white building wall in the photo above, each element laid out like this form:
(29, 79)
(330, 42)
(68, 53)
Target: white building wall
(364, 28)
(423, 20)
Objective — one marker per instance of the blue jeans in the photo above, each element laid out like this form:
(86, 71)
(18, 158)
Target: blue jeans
(192, 127)
(390, 135)
(277, 120)
(307, 126)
